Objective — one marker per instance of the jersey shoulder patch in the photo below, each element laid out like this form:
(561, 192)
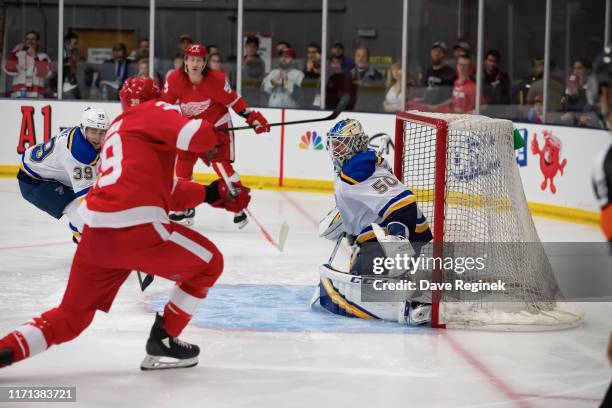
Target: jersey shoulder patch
(80, 148)
(360, 167)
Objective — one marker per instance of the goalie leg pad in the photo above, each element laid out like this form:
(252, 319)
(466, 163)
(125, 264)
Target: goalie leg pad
(340, 294)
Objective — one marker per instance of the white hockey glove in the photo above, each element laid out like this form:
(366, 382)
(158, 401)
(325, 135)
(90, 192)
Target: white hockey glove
(331, 226)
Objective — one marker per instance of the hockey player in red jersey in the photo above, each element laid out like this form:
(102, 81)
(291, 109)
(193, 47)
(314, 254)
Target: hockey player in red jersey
(127, 228)
(204, 93)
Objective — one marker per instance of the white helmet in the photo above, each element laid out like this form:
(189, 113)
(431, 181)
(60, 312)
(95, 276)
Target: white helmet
(94, 118)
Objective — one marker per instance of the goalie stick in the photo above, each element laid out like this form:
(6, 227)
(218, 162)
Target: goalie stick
(342, 104)
(284, 229)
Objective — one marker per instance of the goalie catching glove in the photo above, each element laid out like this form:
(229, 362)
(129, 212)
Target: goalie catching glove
(218, 195)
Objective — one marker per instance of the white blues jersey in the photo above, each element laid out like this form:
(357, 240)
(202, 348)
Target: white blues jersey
(367, 192)
(67, 158)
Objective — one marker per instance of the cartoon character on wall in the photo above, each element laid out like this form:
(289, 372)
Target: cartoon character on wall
(550, 163)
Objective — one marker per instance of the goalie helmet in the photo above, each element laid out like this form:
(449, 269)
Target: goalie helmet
(94, 118)
(345, 140)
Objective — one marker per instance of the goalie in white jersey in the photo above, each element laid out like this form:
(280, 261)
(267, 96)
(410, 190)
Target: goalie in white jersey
(57, 174)
(368, 194)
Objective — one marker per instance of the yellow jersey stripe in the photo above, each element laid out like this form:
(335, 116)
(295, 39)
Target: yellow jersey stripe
(70, 139)
(347, 178)
(420, 228)
(400, 204)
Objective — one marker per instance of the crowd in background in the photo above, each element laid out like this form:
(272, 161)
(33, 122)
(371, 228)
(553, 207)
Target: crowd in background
(292, 79)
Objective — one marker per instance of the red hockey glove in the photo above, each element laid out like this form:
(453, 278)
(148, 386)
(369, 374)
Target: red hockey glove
(255, 118)
(218, 195)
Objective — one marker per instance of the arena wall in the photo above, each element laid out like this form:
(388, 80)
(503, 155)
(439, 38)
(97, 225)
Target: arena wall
(294, 157)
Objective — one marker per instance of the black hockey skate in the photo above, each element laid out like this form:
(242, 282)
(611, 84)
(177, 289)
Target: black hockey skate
(165, 352)
(240, 219)
(6, 357)
(183, 217)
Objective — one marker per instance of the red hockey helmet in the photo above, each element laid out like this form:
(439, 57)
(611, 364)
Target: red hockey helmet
(137, 90)
(195, 50)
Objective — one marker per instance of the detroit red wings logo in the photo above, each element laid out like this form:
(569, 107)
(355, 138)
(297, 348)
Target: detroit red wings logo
(192, 109)
(550, 163)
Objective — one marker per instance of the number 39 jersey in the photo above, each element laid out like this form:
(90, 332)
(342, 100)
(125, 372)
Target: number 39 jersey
(67, 158)
(367, 192)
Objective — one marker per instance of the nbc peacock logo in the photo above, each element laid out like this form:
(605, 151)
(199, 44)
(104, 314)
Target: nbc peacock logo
(311, 139)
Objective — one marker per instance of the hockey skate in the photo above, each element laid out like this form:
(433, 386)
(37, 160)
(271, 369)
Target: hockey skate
(185, 217)
(416, 313)
(241, 219)
(6, 357)
(165, 352)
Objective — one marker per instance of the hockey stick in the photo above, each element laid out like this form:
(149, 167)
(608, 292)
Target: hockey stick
(144, 283)
(284, 229)
(342, 104)
(335, 250)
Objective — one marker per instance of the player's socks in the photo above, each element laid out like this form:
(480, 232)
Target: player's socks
(183, 217)
(26, 341)
(165, 351)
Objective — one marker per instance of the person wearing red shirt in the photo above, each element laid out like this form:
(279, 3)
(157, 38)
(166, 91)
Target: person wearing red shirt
(204, 93)
(464, 90)
(127, 228)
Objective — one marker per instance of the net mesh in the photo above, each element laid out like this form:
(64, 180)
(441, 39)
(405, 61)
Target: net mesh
(484, 203)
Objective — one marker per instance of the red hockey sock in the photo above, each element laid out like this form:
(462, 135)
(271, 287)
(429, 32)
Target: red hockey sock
(181, 306)
(26, 341)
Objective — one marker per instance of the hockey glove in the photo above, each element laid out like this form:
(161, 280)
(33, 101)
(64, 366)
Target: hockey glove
(255, 118)
(218, 195)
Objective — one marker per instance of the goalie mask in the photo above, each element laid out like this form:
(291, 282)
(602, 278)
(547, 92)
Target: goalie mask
(345, 140)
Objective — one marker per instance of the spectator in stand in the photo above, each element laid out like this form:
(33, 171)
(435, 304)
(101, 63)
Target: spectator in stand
(28, 67)
(555, 88)
(281, 47)
(185, 41)
(177, 63)
(72, 57)
(338, 60)
(212, 49)
(312, 65)
(363, 74)
(536, 111)
(253, 67)
(393, 99)
(460, 48)
(463, 99)
(439, 77)
(141, 52)
(496, 89)
(283, 84)
(215, 61)
(114, 72)
(575, 104)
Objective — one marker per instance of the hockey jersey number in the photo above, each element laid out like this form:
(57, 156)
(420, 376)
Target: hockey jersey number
(111, 157)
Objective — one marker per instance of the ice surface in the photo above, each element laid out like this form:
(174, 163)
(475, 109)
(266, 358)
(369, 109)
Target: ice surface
(262, 345)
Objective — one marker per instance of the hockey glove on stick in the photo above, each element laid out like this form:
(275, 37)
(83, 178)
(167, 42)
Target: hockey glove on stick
(255, 118)
(218, 195)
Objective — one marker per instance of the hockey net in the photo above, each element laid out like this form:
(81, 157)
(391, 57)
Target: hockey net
(463, 171)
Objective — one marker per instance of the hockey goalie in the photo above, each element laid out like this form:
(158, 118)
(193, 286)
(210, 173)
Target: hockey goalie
(380, 218)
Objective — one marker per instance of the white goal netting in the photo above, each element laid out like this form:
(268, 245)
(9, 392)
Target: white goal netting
(478, 204)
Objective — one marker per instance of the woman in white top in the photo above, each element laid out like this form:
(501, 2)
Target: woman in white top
(393, 99)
